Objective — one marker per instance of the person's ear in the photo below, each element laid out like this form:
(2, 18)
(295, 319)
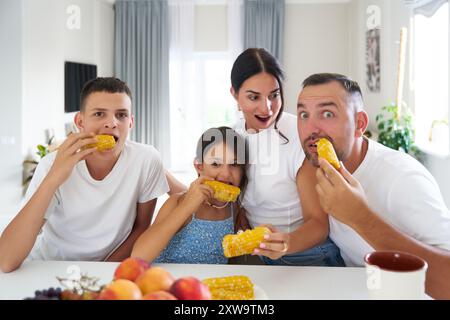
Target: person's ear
(198, 167)
(362, 122)
(131, 121)
(79, 120)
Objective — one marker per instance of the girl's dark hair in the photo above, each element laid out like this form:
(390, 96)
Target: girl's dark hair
(254, 61)
(231, 139)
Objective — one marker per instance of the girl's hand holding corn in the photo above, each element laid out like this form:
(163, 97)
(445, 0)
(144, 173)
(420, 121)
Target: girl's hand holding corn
(197, 193)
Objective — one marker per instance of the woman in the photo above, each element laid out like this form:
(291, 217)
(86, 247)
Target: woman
(275, 182)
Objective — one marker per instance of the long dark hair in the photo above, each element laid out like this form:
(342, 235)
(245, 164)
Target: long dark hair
(254, 61)
(230, 138)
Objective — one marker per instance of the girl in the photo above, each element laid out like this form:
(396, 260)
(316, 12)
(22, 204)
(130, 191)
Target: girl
(189, 227)
(275, 182)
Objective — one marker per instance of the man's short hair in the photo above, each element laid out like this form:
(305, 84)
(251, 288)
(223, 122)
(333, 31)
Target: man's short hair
(348, 84)
(107, 84)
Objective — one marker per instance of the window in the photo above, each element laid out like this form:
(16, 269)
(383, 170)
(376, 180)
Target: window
(202, 101)
(431, 74)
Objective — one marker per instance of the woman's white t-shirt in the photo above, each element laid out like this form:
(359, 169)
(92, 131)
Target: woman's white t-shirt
(271, 196)
(88, 219)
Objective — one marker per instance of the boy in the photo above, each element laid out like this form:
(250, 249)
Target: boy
(85, 204)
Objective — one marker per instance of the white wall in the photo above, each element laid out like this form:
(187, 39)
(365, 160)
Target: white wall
(35, 44)
(211, 25)
(48, 42)
(10, 106)
(316, 39)
(303, 54)
(394, 15)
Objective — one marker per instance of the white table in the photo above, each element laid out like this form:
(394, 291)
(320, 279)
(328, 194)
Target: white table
(278, 282)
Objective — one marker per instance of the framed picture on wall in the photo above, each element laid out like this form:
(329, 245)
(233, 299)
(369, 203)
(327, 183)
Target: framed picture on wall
(373, 60)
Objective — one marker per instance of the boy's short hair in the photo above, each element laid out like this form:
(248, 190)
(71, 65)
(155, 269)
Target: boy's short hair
(106, 84)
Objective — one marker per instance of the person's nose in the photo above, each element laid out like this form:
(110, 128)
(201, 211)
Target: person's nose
(312, 127)
(265, 108)
(225, 173)
(111, 122)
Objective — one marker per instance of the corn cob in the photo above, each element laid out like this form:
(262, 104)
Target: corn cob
(223, 192)
(104, 142)
(244, 243)
(325, 150)
(230, 288)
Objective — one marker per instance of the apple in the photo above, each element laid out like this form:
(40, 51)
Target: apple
(154, 279)
(159, 295)
(130, 269)
(190, 288)
(121, 289)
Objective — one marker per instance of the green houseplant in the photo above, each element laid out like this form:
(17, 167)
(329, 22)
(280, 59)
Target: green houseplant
(29, 166)
(397, 132)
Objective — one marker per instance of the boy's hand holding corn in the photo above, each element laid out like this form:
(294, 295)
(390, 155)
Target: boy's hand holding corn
(69, 154)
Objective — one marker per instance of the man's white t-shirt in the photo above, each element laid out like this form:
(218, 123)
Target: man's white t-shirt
(402, 192)
(88, 219)
(271, 196)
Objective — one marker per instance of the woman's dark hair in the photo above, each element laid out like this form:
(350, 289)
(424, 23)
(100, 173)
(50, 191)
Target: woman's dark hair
(254, 61)
(231, 139)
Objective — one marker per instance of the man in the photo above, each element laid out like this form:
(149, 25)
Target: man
(90, 205)
(381, 199)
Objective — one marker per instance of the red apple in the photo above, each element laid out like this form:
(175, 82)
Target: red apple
(190, 288)
(121, 289)
(159, 295)
(130, 269)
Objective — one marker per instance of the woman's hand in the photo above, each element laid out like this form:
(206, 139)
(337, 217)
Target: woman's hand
(275, 244)
(197, 194)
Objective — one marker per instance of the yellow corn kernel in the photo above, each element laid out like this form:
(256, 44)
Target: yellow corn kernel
(104, 142)
(230, 288)
(223, 192)
(325, 150)
(222, 294)
(244, 243)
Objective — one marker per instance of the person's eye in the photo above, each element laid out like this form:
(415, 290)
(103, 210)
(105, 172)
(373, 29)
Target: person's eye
(253, 97)
(215, 164)
(122, 115)
(303, 115)
(275, 95)
(328, 114)
(98, 114)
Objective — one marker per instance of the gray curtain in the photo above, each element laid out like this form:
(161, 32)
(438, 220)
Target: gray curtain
(425, 7)
(264, 25)
(142, 60)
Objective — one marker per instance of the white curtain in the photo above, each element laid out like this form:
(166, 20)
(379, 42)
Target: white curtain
(185, 124)
(425, 7)
(195, 76)
(235, 28)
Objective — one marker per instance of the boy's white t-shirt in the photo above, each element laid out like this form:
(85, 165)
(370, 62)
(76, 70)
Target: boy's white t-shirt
(401, 191)
(88, 219)
(271, 195)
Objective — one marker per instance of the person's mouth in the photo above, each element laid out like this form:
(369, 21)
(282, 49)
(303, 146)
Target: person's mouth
(263, 119)
(116, 137)
(312, 146)
(227, 182)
